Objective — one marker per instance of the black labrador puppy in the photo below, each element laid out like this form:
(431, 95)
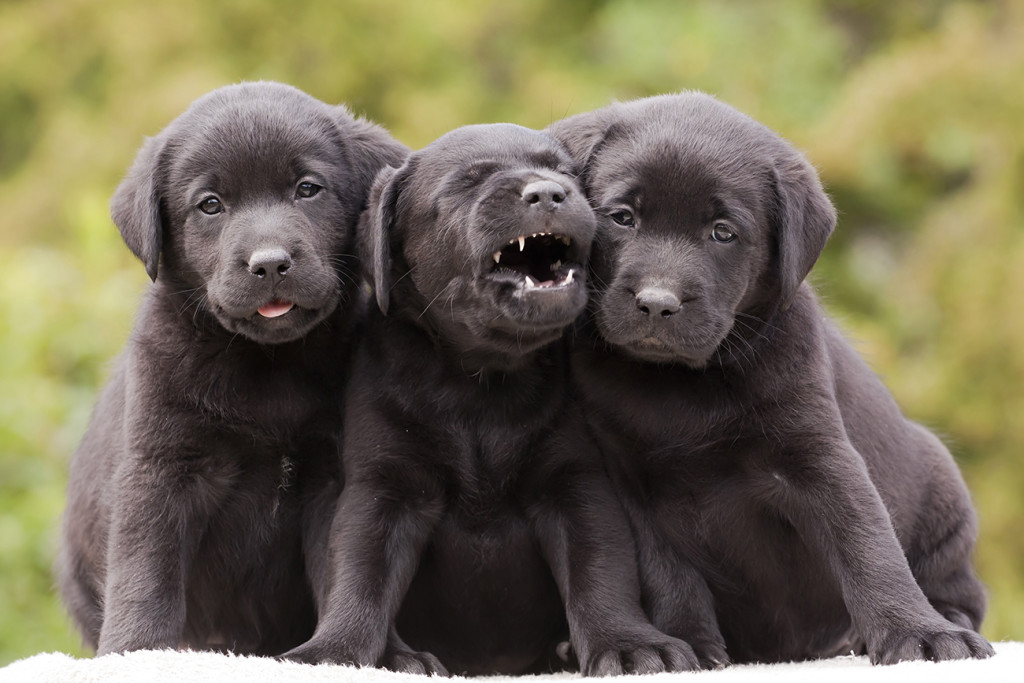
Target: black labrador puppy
(183, 523)
(467, 516)
(783, 507)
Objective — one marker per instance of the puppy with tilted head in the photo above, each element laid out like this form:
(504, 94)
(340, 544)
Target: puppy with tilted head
(184, 523)
(782, 505)
(470, 537)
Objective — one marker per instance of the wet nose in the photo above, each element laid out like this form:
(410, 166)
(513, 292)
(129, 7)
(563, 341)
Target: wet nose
(545, 194)
(657, 301)
(274, 263)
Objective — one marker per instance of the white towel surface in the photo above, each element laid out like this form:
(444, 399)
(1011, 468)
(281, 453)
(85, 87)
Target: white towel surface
(168, 666)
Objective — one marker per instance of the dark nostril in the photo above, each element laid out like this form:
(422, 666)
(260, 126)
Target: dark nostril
(273, 260)
(544, 192)
(655, 300)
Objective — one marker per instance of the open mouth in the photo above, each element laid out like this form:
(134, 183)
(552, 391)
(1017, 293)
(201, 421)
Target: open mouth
(538, 261)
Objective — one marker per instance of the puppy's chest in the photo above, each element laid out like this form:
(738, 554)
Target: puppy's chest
(485, 472)
(277, 401)
(254, 478)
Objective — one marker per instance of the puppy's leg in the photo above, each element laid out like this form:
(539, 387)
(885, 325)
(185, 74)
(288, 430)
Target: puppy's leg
(827, 494)
(584, 536)
(318, 509)
(676, 596)
(958, 595)
(377, 536)
(156, 525)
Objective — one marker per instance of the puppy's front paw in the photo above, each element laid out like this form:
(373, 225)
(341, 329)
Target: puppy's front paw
(406, 660)
(650, 653)
(936, 642)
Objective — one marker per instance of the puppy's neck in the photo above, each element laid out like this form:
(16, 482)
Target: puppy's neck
(753, 336)
(419, 342)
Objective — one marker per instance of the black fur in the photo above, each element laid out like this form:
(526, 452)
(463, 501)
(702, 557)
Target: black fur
(184, 518)
(468, 515)
(782, 505)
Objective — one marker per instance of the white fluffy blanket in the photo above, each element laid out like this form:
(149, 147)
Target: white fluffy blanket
(166, 666)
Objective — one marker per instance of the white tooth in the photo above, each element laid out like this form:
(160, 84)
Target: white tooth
(556, 265)
(530, 282)
(563, 239)
(497, 257)
(568, 278)
(522, 242)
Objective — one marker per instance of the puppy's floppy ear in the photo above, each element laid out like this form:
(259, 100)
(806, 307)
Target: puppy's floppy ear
(370, 147)
(804, 218)
(377, 230)
(582, 136)
(135, 206)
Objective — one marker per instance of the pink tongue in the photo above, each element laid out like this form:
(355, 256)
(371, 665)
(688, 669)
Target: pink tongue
(275, 309)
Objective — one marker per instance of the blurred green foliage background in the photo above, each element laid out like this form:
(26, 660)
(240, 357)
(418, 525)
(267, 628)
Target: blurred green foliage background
(912, 111)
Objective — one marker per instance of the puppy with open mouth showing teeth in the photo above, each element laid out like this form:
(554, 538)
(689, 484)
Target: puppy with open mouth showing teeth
(469, 536)
(782, 505)
(184, 523)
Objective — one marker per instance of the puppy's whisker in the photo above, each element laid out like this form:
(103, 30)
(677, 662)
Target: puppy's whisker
(399, 279)
(200, 304)
(598, 281)
(760, 321)
(190, 290)
(345, 279)
(740, 353)
(424, 311)
(451, 305)
(231, 341)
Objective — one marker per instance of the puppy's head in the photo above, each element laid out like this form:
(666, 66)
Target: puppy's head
(482, 236)
(706, 221)
(247, 204)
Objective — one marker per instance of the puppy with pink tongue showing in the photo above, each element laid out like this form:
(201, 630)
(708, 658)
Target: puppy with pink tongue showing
(189, 505)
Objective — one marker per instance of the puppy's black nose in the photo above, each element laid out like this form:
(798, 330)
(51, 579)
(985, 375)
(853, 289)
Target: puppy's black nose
(274, 262)
(545, 194)
(657, 301)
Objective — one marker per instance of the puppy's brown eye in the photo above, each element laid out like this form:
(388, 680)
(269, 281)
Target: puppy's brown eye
(211, 206)
(306, 189)
(722, 233)
(623, 218)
